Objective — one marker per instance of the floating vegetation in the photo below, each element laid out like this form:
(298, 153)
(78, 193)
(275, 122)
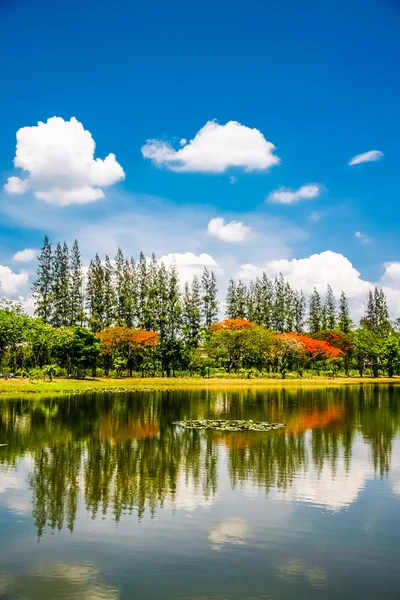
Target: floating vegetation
(223, 425)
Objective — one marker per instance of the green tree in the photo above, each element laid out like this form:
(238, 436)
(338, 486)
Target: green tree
(76, 299)
(109, 294)
(43, 285)
(391, 354)
(330, 309)
(209, 297)
(61, 287)
(344, 320)
(315, 312)
(95, 295)
(191, 313)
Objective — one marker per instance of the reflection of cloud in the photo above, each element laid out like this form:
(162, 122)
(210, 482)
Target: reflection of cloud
(13, 492)
(69, 580)
(396, 487)
(294, 568)
(232, 531)
(333, 490)
(187, 495)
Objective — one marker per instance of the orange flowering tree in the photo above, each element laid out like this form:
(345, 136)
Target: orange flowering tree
(232, 325)
(294, 349)
(125, 348)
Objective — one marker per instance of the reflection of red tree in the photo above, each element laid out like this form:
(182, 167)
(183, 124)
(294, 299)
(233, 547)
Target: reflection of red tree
(120, 432)
(315, 419)
(234, 440)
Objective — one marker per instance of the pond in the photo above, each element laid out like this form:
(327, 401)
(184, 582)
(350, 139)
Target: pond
(102, 498)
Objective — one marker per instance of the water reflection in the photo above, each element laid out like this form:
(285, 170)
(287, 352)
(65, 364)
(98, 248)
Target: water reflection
(118, 454)
(57, 579)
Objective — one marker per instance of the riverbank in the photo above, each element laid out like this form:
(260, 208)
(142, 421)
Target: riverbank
(18, 387)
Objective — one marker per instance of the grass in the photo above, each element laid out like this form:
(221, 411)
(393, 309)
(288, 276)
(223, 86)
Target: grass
(21, 387)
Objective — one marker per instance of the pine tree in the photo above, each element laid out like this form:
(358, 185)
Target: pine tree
(231, 304)
(344, 321)
(76, 314)
(109, 294)
(209, 297)
(95, 295)
(143, 293)
(330, 309)
(251, 303)
(315, 310)
(191, 313)
(279, 315)
(61, 300)
(370, 318)
(382, 313)
(128, 293)
(152, 292)
(120, 288)
(43, 286)
(267, 293)
(300, 312)
(241, 300)
(290, 308)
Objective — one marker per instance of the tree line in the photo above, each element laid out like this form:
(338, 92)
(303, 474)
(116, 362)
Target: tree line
(125, 316)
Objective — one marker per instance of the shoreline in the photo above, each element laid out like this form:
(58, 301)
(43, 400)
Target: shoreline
(14, 388)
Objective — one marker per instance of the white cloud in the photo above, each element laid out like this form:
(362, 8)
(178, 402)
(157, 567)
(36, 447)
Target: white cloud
(287, 196)
(26, 255)
(363, 237)
(59, 158)
(234, 231)
(11, 283)
(319, 270)
(214, 149)
(189, 264)
(370, 156)
(231, 531)
(391, 276)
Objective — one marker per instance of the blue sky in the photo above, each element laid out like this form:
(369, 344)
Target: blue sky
(320, 81)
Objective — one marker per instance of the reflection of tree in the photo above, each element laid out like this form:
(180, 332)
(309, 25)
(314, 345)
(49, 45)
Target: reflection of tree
(119, 453)
(271, 460)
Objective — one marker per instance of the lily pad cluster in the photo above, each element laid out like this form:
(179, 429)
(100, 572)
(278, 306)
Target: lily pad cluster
(228, 425)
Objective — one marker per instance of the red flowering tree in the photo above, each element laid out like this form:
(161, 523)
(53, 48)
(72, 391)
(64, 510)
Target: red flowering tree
(126, 348)
(232, 325)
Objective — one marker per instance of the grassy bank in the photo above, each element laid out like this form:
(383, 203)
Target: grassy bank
(18, 387)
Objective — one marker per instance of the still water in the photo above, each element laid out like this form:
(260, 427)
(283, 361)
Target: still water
(101, 498)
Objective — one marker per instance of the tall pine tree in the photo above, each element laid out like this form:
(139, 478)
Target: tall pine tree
(75, 295)
(43, 285)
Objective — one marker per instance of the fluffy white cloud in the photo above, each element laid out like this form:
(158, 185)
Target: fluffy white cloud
(370, 156)
(214, 149)
(59, 158)
(363, 237)
(391, 276)
(287, 196)
(232, 531)
(234, 231)
(11, 283)
(319, 270)
(189, 264)
(26, 255)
